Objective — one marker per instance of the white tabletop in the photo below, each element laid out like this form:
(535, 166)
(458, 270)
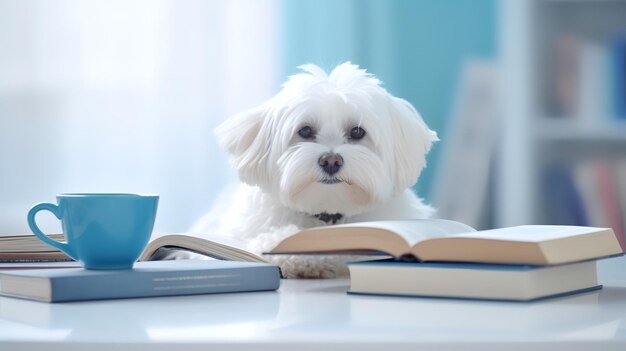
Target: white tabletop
(316, 314)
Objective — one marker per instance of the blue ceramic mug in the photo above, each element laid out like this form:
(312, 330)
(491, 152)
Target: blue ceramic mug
(103, 231)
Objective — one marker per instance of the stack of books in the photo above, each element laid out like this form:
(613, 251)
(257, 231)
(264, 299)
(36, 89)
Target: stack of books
(446, 259)
(30, 269)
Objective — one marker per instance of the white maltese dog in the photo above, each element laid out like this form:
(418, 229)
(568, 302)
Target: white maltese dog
(328, 148)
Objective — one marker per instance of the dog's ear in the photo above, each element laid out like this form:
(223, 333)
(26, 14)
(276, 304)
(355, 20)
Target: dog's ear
(242, 136)
(412, 141)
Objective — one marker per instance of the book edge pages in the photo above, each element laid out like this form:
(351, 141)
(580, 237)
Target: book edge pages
(394, 237)
(27, 243)
(340, 240)
(602, 243)
(34, 288)
(200, 246)
(38, 256)
(470, 283)
(564, 249)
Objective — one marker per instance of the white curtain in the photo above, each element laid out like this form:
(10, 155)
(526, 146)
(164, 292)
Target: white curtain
(122, 96)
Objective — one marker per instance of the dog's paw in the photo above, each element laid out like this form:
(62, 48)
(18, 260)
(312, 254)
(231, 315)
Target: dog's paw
(308, 267)
(170, 254)
(317, 273)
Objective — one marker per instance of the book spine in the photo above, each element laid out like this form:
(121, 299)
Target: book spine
(599, 184)
(593, 84)
(150, 284)
(607, 188)
(588, 79)
(620, 180)
(566, 76)
(586, 182)
(563, 201)
(619, 83)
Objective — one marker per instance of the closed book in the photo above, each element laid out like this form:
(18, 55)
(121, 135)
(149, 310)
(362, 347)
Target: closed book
(146, 279)
(471, 280)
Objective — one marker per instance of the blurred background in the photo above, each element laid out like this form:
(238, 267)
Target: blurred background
(528, 98)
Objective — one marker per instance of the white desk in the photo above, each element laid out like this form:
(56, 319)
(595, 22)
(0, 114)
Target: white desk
(318, 315)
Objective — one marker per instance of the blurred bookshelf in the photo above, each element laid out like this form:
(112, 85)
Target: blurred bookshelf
(562, 153)
(562, 130)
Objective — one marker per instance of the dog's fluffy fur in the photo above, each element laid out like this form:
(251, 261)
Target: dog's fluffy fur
(277, 148)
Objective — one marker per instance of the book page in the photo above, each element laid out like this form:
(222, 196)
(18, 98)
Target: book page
(393, 238)
(416, 230)
(529, 244)
(531, 233)
(219, 247)
(27, 243)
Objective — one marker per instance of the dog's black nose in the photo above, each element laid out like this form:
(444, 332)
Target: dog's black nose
(330, 163)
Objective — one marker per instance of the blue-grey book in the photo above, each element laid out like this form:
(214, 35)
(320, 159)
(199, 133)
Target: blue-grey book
(505, 282)
(146, 279)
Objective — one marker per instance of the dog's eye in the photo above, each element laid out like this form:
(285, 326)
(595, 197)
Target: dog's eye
(357, 133)
(306, 132)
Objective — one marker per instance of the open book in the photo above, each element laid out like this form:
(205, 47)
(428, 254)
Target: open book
(27, 251)
(220, 248)
(443, 240)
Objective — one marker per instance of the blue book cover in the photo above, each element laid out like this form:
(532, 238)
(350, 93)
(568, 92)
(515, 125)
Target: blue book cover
(563, 203)
(146, 279)
(619, 77)
(535, 299)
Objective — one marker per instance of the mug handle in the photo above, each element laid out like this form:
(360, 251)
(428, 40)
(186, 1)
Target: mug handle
(33, 226)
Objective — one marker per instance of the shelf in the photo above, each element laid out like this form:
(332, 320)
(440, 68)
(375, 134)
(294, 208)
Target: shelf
(532, 139)
(568, 130)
